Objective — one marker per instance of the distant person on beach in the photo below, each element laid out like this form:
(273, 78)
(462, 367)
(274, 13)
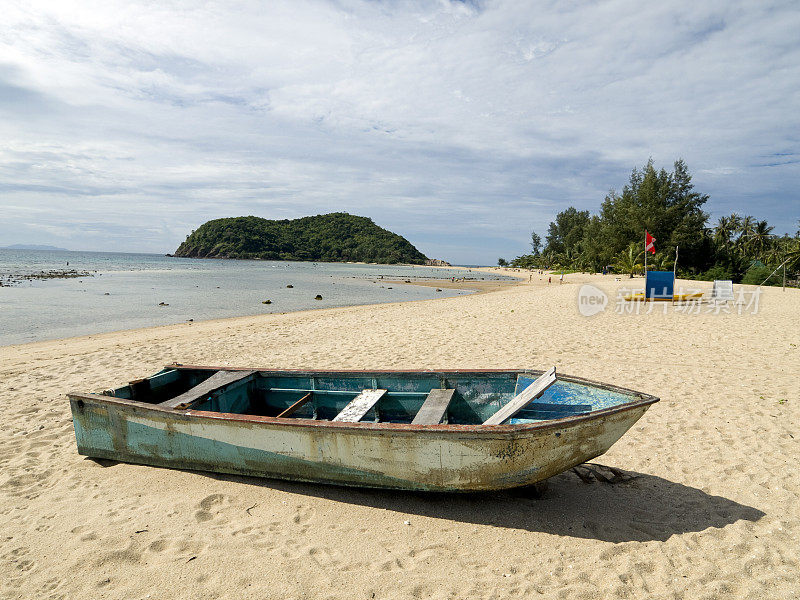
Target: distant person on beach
(561, 279)
(550, 279)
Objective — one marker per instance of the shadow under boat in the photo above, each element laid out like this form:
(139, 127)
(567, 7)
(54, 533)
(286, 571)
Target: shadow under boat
(646, 508)
(642, 508)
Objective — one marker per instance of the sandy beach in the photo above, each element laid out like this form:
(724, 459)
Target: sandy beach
(712, 511)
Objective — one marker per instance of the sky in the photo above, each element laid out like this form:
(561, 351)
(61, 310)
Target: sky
(459, 125)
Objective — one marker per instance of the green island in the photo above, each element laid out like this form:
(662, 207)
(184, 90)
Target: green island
(334, 237)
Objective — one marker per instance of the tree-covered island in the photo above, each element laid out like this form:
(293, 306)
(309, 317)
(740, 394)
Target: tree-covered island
(335, 237)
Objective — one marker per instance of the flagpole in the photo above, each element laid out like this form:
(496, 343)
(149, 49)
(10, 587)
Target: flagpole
(675, 266)
(674, 273)
(645, 261)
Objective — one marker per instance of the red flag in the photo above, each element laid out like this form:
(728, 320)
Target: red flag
(649, 243)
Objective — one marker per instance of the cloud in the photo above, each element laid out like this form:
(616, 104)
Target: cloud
(461, 125)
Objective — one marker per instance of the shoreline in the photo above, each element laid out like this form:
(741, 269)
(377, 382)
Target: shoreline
(475, 287)
(233, 320)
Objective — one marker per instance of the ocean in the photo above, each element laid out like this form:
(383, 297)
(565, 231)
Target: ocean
(125, 291)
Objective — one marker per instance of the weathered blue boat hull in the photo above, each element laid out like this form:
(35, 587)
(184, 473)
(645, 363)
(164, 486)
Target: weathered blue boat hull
(445, 457)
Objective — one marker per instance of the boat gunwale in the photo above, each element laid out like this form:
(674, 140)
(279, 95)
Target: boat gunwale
(408, 428)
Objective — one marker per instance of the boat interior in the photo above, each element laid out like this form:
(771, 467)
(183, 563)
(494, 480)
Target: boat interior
(421, 398)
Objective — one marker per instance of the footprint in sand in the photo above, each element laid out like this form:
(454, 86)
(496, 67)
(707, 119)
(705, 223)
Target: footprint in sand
(86, 534)
(325, 557)
(23, 484)
(180, 547)
(406, 561)
(16, 557)
(426, 590)
(391, 565)
(159, 545)
(256, 537)
(303, 514)
(49, 585)
(25, 565)
(211, 506)
(291, 550)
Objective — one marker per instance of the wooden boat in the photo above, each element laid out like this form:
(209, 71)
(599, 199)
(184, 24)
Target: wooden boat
(420, 430)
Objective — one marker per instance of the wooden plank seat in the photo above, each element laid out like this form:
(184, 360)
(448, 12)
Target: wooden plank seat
(218, 380)
(359, 406)
(525, 397)
(434, 408)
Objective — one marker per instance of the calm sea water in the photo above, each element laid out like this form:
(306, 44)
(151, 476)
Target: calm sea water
(126, 289)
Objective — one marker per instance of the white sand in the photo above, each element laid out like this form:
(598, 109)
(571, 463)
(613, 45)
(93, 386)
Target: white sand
(714, 512)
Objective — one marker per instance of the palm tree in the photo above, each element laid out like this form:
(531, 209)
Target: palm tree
(629, 260)
(566, 258)
(737, 228)
(759, 238)
(793, 255)
(747, 226)
(786, 249)
(581, 260)
(723, 231)
(548, 258)
(742, 242)
(730, 236)
(736, 222)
